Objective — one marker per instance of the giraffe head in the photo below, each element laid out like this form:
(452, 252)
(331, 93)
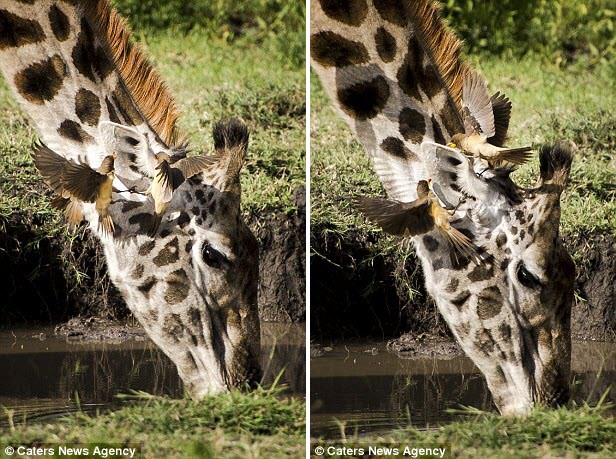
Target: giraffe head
(193, 286)
(511, 313)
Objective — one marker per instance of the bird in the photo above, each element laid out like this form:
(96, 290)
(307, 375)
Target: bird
(421, 216)
(170, 173)
(486, 120)
(76, 183)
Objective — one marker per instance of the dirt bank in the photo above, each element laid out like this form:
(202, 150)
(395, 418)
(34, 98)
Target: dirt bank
(47, 278)
(358, 291)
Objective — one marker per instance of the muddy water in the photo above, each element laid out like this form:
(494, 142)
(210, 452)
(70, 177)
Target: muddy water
(360, 388)
(43, 376)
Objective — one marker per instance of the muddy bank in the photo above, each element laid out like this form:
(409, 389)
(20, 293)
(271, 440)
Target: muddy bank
(47, 278)
(356, 291)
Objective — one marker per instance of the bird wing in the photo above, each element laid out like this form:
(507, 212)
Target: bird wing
(170, 179)
(501, 107)
(81, 181)
(395, 217)
(51, 166)
(477, 106)
(192, 165)
(462, 244)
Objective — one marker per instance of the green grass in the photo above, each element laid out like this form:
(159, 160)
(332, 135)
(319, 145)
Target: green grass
(549, 103)
(233, 425)
(587, 432)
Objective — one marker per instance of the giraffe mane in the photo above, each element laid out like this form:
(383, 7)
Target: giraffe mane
(442, 46)
(145, 85)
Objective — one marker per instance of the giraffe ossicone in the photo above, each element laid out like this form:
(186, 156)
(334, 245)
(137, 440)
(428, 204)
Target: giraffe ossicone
(394, 73)
(91, 92)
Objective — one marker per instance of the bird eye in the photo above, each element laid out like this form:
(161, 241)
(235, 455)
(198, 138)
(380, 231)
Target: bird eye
(526, 278)
(212, 257)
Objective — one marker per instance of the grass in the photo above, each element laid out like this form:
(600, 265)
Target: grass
(238, 424)
(550, 103)
(585, 431)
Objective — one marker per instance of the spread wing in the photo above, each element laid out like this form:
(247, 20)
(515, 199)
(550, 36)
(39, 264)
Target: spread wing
(477, 106)
(395, 217)
(192, 165)
(51, 166)
(170, 178)
(81, 181)
(501, 107)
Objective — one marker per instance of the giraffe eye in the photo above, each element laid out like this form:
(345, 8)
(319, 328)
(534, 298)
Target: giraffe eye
(212, 257)
(526, 278)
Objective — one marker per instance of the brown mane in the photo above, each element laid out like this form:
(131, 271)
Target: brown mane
(146, 87)
(442, 46)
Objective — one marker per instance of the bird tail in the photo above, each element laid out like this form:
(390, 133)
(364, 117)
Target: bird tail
(105, 222)
(156, 219)
(462, 245)
(71, 209)
(516, 156)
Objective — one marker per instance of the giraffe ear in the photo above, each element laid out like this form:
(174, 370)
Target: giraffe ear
(122, 139)
(555, 165)
(231, 144)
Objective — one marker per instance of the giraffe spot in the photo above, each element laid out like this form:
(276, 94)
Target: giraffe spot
(194, 317)
(147, 285)
(351, 12)
(460, 262)
(27, 2)
(190, 360)
(170, 253)
(522, 234)
(438, 264)
(412, 125)
(151, 316)
(514, 230)
(72, 130)
(174, 328)
(464, 328)
(91, 62)
(531, 228)
(146, 248)
(87, 107)
(485, 341)
(165, 233)
(127, 206)
(505, 331)
(501, 239)
(392, 11)
(183, 219)
(60, 25)
(481, 272)
(453, 161)
(438, 134)
(460, 300)
(332, 50)
(507, 251)
(500, 375)
(16, 31)
(385, 44)
(188, 246)
(143, 219)
(126, 106)
(113, 116)
(187, 196)
(200, 195)
(195, 210)
(396, 147)
(366, 99)
(212, 207)
(430, 243)
(42, 80)
(450, 120)
(137, 272)
(519, 215)
(204, 214)
(489, 303)
(453, 285)
(178, 287)
(504, 264)
(409, 74)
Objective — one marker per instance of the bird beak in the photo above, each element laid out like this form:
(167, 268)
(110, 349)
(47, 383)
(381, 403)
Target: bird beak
(451, 145)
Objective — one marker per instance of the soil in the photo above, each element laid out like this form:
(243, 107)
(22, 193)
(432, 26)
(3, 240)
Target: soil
(51, 279)
(358, 292)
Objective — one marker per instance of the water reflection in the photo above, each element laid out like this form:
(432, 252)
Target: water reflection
(360, 388)
(40, 378)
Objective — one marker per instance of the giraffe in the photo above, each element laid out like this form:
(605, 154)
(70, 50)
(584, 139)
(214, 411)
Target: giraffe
(91, 92)
(394, 72)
